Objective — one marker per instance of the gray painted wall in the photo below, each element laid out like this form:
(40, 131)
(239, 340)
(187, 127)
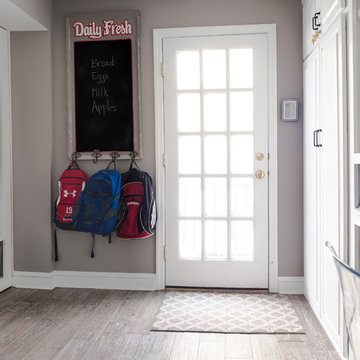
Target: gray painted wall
(32, 149)
(139, 256)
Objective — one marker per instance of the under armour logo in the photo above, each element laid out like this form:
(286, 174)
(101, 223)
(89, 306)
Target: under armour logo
(66, 193)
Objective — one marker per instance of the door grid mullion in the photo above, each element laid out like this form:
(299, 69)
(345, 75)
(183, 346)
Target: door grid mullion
(202, 157)
(228, 153)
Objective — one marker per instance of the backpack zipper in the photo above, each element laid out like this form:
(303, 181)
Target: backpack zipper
(72, 177)
(70, 183)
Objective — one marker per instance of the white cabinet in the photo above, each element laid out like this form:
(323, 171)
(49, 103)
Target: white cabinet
(325, 174)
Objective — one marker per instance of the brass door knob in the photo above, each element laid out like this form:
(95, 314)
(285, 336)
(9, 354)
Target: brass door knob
(260, 174)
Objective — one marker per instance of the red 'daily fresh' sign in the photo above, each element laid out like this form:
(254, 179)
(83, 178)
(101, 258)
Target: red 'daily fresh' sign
(108, 28)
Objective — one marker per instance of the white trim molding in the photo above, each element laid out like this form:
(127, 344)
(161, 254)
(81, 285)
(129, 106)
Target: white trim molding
(291, 285)
(117, 281)
(33, 280)
(158, 36)
(6, 169)
(84, 279)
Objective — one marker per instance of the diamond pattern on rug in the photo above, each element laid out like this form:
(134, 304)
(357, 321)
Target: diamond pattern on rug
(227, 313)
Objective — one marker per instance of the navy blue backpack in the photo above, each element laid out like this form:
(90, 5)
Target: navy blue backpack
(97, 209)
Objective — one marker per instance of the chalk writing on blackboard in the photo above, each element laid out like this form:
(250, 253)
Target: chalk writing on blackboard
(101, 91)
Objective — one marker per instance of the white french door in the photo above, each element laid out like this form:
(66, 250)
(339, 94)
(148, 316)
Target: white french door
(5, 165)
(216, 144)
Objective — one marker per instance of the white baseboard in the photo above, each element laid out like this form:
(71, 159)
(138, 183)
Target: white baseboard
(291, 285)
(116, 281)
(33, 280)
(82, 279)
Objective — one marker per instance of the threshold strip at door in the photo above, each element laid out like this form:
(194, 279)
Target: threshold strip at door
(218, 289)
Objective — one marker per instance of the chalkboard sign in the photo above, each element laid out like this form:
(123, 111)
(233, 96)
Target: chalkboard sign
(103, 83)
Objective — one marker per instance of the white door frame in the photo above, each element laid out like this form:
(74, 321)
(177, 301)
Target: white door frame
(158, 36)
(6, 221)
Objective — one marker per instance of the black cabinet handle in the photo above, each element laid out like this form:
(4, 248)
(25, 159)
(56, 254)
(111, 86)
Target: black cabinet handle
(316, 138)
(315, 25)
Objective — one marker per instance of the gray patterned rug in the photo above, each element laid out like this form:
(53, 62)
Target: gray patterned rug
(227, 313)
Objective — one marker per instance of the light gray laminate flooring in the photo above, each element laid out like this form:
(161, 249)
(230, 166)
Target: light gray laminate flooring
(89, 324)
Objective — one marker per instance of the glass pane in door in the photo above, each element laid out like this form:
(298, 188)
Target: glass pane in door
(242, 240)
(215, 197)
(188, 70)
(215, 240)
(188, 112)
(242, 195)
(215, 112)
(241, 68)
(190, 239)
(189, 154)
(242, 154)
(189, 197)
(214, 69)
(241, 111)
(215, 154)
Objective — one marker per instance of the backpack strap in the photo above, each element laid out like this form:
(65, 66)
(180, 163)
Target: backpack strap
(111, 162)
(73, 165)
(93, 244)
(133, 162)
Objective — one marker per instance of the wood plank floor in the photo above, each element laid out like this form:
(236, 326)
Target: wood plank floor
(90, 324)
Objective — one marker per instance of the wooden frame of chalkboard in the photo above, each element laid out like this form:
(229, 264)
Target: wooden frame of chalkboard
(103, 84)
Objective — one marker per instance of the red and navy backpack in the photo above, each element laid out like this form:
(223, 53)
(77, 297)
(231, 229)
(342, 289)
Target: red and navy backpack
(137, 208)
(70, 186)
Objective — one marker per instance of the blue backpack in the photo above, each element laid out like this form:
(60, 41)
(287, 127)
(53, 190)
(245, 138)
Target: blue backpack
(97, 209)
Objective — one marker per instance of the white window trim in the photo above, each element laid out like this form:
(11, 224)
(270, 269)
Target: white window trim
(158, 36)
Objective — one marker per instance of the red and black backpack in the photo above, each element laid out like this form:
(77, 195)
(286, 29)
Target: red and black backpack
(70, 186)
(137, 208)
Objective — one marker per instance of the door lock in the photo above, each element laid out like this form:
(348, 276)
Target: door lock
(260, 174)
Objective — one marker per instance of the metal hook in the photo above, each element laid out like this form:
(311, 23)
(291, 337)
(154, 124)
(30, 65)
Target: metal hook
(96, 155)
(75, 155)
(133, 155)
(114, 155)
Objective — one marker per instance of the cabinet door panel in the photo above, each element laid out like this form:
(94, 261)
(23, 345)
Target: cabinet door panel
(311, 176)
(333, 77)
(329, 9)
